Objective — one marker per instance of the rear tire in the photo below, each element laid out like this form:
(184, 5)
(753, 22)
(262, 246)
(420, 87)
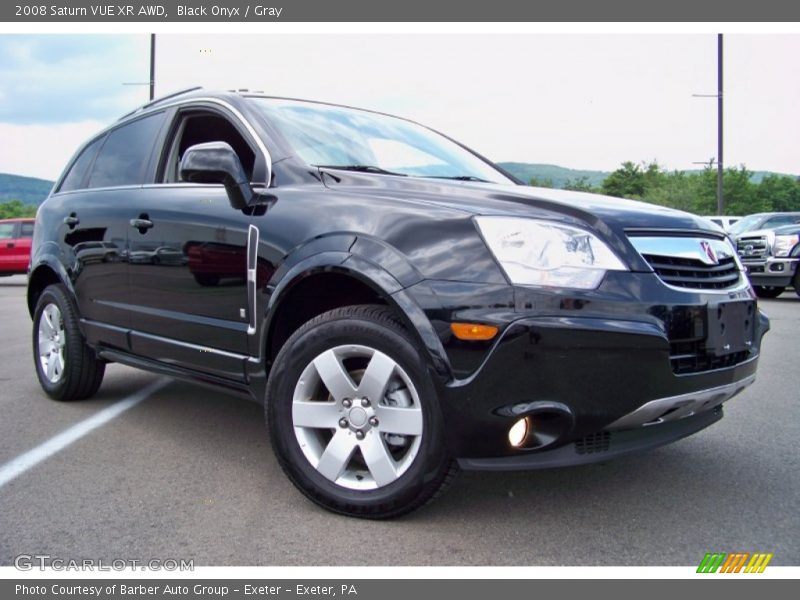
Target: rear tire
(66, 366)
(354, 417)
(767, 291)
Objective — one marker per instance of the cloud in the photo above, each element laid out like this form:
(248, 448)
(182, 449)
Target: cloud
(42, 150)
(71, 78)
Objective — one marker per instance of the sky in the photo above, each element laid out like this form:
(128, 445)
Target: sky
(586, 101)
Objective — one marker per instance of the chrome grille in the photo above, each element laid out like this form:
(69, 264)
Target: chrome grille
(690, 261)
(694, 274)
(752, 248)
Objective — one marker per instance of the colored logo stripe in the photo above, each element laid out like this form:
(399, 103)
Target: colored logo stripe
(734, 562)
(758, 563)
(711, 562)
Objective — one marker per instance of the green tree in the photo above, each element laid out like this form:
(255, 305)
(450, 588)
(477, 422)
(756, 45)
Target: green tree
(15, 209)
(694, 192)
(626, 182)
(580, 184)
(543, 182)
(779, 193)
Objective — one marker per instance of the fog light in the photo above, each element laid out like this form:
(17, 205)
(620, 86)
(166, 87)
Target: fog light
(518, 432)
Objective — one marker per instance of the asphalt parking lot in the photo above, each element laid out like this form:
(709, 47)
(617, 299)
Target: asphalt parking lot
(188, 473)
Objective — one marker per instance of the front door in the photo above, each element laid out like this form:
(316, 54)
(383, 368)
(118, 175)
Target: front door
(188, 260)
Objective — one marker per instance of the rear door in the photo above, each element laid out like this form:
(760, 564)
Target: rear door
(95, 203)
(8, 239)
(23, 244)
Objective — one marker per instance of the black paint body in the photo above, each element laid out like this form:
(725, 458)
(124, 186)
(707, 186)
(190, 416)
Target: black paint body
(173, 297)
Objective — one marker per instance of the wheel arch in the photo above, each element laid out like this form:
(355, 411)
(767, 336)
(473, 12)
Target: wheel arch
(347, 279)
(48, 271)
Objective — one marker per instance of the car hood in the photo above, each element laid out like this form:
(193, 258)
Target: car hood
(595, 210)
(755, 233)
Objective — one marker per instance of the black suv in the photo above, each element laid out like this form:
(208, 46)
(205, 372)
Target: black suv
(399, 304)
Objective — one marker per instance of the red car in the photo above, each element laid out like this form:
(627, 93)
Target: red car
(15, 246)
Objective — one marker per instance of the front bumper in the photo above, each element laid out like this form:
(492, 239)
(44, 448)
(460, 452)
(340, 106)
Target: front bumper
(599, 447)
(773, 272)
(585, 364)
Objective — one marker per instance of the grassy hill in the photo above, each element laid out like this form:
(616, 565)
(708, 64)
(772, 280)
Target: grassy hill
(28, 190)
(558, 175)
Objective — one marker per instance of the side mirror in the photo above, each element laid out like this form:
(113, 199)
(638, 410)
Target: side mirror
(216, 162)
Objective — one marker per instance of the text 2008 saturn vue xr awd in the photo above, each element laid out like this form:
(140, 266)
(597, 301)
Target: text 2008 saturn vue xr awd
(399, 304)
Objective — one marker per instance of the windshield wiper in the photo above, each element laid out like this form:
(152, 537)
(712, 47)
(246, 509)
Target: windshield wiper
(362, 169)
(458, 178)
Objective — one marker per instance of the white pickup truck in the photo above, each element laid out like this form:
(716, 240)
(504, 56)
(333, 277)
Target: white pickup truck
(771, 253)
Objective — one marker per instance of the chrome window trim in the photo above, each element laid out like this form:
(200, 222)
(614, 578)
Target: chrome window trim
(144, 111)
(227, 106)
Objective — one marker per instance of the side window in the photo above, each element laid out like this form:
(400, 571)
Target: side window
(77, 173)
(7, 231)
(778, 221)
(26, 230)
(123, 158)
(198, 128)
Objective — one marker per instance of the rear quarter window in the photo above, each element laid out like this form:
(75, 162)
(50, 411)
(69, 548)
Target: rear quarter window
(124, 156)
(76, 176)
(26, 230)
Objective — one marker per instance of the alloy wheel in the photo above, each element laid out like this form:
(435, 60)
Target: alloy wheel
(357, 417)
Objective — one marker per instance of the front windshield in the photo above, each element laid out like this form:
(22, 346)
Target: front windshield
(333, 136)
(746, 224)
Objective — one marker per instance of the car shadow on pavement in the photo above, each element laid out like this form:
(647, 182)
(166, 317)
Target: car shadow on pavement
(657, 484)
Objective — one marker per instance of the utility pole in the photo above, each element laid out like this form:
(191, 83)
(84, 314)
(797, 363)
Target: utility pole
(153, 67)
(152, 82)
(720, 171)
(720, 161)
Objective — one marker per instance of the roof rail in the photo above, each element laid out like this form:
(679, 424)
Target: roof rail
(162, 98)
(172, 95)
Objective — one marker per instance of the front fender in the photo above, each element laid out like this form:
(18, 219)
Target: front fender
(373, 275)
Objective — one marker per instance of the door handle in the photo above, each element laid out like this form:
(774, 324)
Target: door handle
(71, 220)
(10, 245)
(141, 224)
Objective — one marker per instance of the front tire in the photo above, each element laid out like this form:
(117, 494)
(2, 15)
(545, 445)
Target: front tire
(354, 418)
(66, 367)
(767, 291)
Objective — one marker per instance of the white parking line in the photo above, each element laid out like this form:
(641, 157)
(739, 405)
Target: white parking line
(17, 466)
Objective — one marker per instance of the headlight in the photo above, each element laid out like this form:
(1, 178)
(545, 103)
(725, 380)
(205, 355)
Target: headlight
(784, 244)
(534, 252)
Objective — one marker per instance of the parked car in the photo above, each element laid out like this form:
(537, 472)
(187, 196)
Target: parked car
(758, 221)
(771, 257)
(15, 246)
(724, 221)
(403, 306)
